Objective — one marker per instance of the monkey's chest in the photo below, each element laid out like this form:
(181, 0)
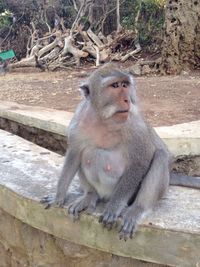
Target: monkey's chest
(102, 169)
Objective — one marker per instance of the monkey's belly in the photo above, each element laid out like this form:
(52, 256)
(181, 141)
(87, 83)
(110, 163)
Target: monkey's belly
(102, 169)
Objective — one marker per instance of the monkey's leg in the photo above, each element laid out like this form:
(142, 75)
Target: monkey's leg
(70, 167)
(153, 187)
(154, 183)
(86, 202)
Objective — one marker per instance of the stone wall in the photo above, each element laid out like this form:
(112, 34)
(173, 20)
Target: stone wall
(31, 236)
(24, 246)
(49, 140)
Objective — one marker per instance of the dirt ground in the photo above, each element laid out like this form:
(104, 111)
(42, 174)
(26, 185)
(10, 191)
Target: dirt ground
(163, 100)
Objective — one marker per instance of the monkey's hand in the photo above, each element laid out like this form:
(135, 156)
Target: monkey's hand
(110, 215)
(130, 218)
(51, 201)
(87, 202)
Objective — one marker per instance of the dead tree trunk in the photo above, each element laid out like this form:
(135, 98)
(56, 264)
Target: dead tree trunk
(181, 45)
(119, 27)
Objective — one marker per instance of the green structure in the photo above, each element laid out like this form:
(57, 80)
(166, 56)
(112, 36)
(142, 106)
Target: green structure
(4, 55)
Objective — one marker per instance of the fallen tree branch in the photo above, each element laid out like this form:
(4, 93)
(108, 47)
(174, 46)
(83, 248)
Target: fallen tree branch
(137, 50)
(95, 38)
(47, 48)
(97, 56)
(70, 48)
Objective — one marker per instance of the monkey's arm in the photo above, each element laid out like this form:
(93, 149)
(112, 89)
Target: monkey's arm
(153, 186)
(70, 167)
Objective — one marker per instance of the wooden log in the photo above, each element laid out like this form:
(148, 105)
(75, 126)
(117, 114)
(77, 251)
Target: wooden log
(135, 51)
(26, 62)
(47, 48)
(52, 55)
(95, 38)
(70, 48)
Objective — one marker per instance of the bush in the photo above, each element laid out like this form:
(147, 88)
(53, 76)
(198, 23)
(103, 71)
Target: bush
(150, 21)
(5, 19)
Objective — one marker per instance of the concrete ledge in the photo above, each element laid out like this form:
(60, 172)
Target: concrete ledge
(182, 139)
(171, 235)
(50, 120)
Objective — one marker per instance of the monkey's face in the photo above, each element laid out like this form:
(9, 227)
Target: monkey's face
(111, 94)
(116, 100)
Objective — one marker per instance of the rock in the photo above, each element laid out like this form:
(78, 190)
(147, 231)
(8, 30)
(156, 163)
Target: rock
(135, 69)
(146, 70)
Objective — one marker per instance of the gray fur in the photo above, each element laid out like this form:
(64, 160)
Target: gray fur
(124, 163)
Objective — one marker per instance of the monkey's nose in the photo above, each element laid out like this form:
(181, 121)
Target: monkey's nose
(126, 104)
(127, 101)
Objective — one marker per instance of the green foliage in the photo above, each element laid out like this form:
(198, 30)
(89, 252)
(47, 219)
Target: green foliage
(128, 12)
(2, 6)
(150, 21)
(5, 18)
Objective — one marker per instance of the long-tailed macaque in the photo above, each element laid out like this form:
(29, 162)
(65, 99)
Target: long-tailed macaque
(118, 156)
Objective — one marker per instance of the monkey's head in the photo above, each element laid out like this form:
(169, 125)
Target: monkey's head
(111, 93)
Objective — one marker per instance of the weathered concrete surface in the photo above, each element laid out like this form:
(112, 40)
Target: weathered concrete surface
(51, 120)
(182, 139)
(171, 235)
(24, 246)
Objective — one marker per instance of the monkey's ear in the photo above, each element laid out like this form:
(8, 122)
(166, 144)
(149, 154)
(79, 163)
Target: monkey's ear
(85, 89)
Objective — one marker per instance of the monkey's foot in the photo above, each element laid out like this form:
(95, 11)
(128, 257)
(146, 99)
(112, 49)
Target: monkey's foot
(130, 218)
(110, 216)
(51, 201)
(87, 202)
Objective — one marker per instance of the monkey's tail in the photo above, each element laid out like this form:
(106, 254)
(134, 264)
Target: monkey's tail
(184, 180)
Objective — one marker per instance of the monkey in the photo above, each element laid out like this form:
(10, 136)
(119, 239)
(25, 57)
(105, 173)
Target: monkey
(118, 156)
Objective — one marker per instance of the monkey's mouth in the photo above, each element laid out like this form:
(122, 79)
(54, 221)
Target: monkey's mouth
(123, 111)
(121, 115)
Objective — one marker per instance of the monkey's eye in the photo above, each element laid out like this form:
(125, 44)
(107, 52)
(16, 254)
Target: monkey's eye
(125, 84)
(115, 85)
(85, 90)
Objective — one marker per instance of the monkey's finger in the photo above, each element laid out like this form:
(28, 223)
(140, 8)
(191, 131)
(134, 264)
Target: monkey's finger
(48, 206)
(91, 209)
(71, 209)
(132, 234)
(124, 234)
(111, 223)
(127, 230)
(45, 199)
(57, 204)
(76, 214)
(109, 220)
(72, 214)
(104, 217)
(100, 219)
